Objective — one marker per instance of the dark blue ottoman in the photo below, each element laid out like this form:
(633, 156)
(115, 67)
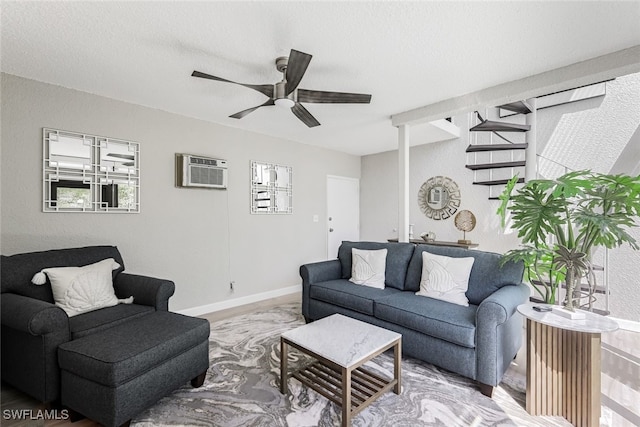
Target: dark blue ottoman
(112, 376)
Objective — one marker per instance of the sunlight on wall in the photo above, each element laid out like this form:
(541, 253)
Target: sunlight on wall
(591, 138)
(621, 378)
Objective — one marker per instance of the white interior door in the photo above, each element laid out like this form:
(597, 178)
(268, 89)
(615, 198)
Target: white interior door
(343, 212)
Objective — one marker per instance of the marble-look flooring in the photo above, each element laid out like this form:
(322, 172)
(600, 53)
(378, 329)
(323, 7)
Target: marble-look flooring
(242, 388)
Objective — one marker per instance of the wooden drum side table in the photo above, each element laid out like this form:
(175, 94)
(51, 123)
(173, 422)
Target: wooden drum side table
(563, 364)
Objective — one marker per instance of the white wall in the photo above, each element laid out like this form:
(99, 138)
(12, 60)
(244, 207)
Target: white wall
(200, 239)
(379, 195)
(591, 134)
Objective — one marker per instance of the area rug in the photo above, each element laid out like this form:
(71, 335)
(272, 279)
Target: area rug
(242, 388)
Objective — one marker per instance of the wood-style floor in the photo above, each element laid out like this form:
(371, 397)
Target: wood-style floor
(12, 400)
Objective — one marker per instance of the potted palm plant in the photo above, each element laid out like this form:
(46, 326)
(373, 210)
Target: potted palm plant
(561, 221)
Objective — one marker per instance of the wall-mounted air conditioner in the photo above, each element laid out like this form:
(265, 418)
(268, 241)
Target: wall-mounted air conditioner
(198, 171)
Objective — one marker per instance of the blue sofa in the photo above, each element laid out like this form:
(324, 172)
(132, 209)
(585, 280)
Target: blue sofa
(478, 341)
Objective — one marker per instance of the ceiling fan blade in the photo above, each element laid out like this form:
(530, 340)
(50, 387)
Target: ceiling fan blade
(304, 115)
(243, 113)
(264, 89)
(322, 97)
(296, 67)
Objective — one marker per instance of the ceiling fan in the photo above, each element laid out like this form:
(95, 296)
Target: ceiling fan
(286, 92)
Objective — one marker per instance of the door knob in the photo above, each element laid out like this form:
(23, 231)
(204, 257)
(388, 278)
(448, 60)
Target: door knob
(331, 230)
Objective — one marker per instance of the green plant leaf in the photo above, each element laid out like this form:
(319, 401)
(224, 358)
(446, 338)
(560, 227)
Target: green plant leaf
(561, 220)
(504, 197)
(536, 213)
(580, 209)
(540, 270)
(570, 258)
(604, 230)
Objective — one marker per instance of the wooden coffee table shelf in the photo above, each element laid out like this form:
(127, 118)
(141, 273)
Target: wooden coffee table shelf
(365, 386)
(341, 346)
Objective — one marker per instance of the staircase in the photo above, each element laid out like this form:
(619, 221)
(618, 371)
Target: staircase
(503, 161)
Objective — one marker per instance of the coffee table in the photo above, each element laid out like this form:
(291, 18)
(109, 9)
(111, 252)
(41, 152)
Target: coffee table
(341, 345)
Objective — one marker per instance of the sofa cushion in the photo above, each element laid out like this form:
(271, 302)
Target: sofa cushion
(367, 267)
(105, 318)
(78, 290)
(345, 294)
(116, 355)
(487, 275)
(398, 257)
(450, 322)
(445, 278)
(18, 270)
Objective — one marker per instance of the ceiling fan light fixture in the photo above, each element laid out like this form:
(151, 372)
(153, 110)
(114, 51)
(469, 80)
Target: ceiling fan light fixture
(284, 102)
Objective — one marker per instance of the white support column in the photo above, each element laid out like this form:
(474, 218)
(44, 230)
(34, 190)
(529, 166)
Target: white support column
(531, 168)
(403, 183)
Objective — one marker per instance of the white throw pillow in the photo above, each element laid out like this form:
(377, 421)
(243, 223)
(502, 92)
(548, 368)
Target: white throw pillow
(445, 278)
(368, 267)
(81, 289)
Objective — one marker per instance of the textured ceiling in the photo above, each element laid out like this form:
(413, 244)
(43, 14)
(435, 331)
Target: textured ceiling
(406, 54)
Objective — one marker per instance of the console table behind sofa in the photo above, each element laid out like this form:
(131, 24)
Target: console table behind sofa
(440, 243)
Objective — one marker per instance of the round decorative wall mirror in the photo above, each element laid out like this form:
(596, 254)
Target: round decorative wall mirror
(439, 197)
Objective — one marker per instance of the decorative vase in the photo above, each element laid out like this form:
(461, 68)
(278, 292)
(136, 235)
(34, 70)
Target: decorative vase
(428, 236)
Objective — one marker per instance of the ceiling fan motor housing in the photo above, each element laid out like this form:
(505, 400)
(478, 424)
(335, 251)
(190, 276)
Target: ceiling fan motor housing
(280, 91)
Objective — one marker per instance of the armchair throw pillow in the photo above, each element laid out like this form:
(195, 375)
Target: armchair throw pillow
(78, 290)
(368, 267)
(445, 278)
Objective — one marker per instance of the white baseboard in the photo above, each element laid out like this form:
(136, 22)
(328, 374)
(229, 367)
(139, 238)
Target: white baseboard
(627, 325)
(236, 302)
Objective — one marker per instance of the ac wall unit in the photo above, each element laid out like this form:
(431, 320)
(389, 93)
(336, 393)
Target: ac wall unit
(198, 171)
